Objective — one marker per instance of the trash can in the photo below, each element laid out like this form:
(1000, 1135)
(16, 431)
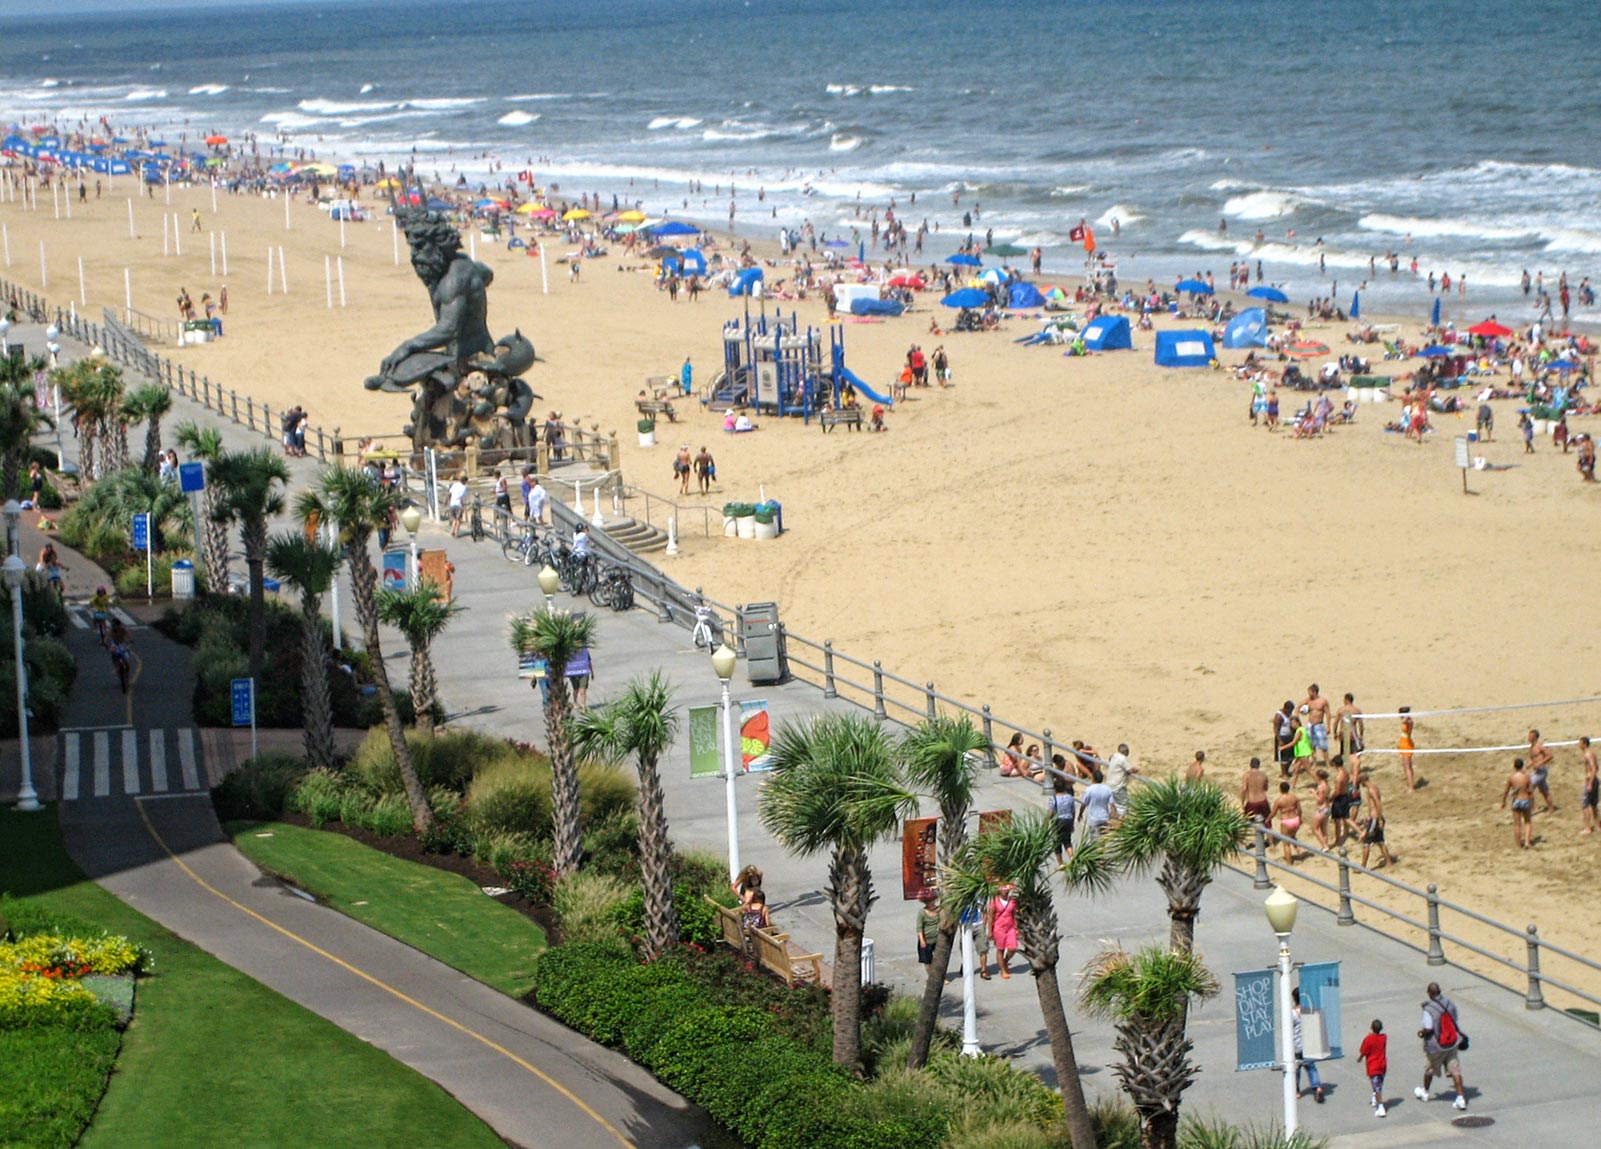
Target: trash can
(764, 649)
(183, 579)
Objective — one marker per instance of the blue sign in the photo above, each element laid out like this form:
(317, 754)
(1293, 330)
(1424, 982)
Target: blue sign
(191, 477)
(141, 532)
(243, 695)
(1320, 990)
(1253, 1020)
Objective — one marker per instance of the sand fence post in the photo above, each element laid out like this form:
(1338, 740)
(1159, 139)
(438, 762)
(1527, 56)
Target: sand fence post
(269, 271)
(177, 236)
(132, 234)
(224, 240)
(1259, 852)
(544, 273)
(339, 267)
(283, 272)
(878, 691)
(69, 202)
(328, 280)
(44, 269)
(1535, 998)
(55, 197)
(341, 231)
(829, 689)
(214, 197)
(1436, 951)
(166, 238)
(1346, 916)
(472, 241)
(83, 295)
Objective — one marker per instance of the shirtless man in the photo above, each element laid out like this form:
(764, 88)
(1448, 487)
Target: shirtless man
(1316, 708)
(1197, 767)
(1253, 793)
(1540, 758)
(1340, 802)
(1349, 727)
(1373, 827)
(1591, 794)
(1521, 791)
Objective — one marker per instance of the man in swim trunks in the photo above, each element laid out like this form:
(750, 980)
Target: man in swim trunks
(1590, 796)
(1521, 791)
(1348, 725)
(1340, 802)
(1540, 759)
(1373, 828)
(1253, 793)
(1316, 711)
(1284, 735)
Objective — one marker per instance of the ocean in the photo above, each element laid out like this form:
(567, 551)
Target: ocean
(1461, 133)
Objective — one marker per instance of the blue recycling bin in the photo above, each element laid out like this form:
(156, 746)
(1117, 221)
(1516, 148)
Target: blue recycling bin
(778, 514)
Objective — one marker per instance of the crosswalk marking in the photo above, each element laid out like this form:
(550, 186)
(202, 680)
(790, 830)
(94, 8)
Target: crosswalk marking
(102, 743)
(69, 782)
(186, 759)
(158, 760)
(83, 618)
(130, 762)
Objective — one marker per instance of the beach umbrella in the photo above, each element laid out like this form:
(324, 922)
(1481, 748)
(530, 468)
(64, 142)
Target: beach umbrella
(216, 141)
(1271, 294)
(962, 259)
(1434, 320)
(632, 216)
(675, 227)
(573, 213)
(492, 201)
(661, 251)
(1559, 365)
(529, 208)
(321, 169)
(1435, 351)
(388, 183)
(1356, 305)
(967, 297)
(1055, 293)
(1490, 329)
(907, 279)
(1193, 286)
(1006, 250)
(627, 228)
(278, 169)
(836, 243)
(993, 275)
(543, 212)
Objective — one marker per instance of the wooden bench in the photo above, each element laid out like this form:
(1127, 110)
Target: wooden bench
(851, 417)
(772, 951)
(663, 386)
(655, 407)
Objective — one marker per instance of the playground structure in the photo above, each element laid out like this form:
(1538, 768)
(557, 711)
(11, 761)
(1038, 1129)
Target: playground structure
(774, 367)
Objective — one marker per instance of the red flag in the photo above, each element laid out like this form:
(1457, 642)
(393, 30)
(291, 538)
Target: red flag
(1077, 234)
(1089, 240)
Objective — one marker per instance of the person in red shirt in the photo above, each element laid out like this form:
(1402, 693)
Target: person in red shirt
(1375, 1052)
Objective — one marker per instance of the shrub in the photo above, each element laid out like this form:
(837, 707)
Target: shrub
(43, 612)
(132, 582)
(904, 1108)
(611, 845)
(701, 871)
(697, 921)
(50, 497)
(586, 903)
(994, 1087)
(448, 760)
(26, 1000)
(501, 851)
(694, 1053)
(510, 796)
(318, 795)
(261, 788)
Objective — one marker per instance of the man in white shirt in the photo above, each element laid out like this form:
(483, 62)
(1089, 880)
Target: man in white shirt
(1118, 769)
(581, 541)
(538, 500)
(458, 499)
(1095, 809)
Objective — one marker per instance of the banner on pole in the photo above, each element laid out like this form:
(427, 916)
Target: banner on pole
(755, 736)
(1320, 992)
(394, 572)
(919, 859)
(704, 760)
(1253, 1021)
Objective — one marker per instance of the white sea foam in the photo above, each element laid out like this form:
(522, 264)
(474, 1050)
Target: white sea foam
(49, 83)
(208, 89)
(1435, 228)
(1122, 212)
(1262, 205)
(517, 119)
(844, 142)
(679, 122)
(739, 136)
(147, 94)
(444, 103)
(880, 89)
(1070, 190)
(381, 118)
(527, 96)
(322, 107)
(365, 88)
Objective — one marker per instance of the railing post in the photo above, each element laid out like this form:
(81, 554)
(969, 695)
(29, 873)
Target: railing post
(1535, 998)
(206, 383)
(1346, 916)
(989, 736)
(664, 611)
(250, 411)
(829, 689)
(928, 693)
(1048, 750)
(1436, 951)
(1259, 852)
(878, 691)
(234, 405)
(739, 626)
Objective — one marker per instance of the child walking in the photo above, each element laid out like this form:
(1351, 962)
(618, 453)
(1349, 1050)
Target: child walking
(1375, 1053)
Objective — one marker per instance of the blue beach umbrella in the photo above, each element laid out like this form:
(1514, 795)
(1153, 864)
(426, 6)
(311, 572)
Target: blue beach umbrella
(1559, 365)
(675, 227)
(967, 297)
(1356, 305)
(1434, 320)
(1271, 294)
(1193, 286)
(1435, 352)
(963, 259)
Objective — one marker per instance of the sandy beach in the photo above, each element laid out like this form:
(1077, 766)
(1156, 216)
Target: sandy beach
(1096, 545)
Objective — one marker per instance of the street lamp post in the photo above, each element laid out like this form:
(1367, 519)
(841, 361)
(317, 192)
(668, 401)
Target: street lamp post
(15, 574)
(411, 519)
(723, 661)
(5, 331)
(970, 1046)
(549, 581)
(12, 510)
(1281, 906)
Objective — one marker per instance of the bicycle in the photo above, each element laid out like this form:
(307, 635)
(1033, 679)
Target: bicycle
(121, 663)
(708, 631)
(523, 545)
(613, 587)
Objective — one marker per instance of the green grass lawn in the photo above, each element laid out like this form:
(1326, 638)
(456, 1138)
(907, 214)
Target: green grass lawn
(442, 914)
(213, 1057)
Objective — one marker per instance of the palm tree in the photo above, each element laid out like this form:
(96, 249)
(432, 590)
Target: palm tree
(310, 567)
(94, 389)
(1188, 829)
(1018, 853)
(251, 492)
(20, 418)
(558, 638)
(641, 723)
(205, 443)
(1146, 996)
(356, 505)
(939, 762)
(420, 613)
(836, 786)
(149, 403)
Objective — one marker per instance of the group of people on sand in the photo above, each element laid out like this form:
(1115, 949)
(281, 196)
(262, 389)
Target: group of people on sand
(1531, 777)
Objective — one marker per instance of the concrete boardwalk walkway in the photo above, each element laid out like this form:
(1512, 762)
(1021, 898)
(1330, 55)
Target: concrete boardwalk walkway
(1531, 1074)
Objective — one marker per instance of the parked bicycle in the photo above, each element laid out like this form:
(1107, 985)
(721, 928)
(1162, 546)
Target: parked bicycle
(708, 631)
(614, 587)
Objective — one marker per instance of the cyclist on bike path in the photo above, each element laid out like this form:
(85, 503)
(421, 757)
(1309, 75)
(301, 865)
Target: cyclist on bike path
(100, 608)
(121, 651)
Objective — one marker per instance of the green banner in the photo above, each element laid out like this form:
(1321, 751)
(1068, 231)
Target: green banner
(704, 759)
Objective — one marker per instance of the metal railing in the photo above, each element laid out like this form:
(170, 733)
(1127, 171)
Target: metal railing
(149, 326)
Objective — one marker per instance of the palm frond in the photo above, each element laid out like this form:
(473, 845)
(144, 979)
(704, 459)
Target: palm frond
(307, 566)
(1193, 823)
(835, 784)
(1150, 985)
(939, 760)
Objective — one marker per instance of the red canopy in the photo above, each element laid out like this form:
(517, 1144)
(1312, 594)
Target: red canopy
(1490, 329)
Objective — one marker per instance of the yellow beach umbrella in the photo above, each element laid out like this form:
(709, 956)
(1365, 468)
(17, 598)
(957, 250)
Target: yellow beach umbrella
(575, 213)
(528, 208)
(321, 169)
(388, 182)
(632, 217)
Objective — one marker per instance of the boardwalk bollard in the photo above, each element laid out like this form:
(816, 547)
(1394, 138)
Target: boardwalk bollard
(1535, 998)
(665, 611)
(1346, 916)
(928, 693)
(1436, 952)
(250, 411)
(829, 689)
(1046, 752)
(878, 691)
(989, 736)
(234, 397)
(1259, 852)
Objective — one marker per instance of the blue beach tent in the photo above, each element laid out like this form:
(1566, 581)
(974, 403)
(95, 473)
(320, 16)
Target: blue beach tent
(1107, 333)
(744, 281)
(1247, 329)
(1025, 295)
(877, 307)
(674, 227)
(1184, 349)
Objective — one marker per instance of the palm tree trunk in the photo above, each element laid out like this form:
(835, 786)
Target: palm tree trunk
(1159, 1129)
(152, 443)
(215, 541)
(316, 705)
(655, 861)
(10, 473)
(255, 546)
(850, 888)
(363, 588)
(422, 688)
(933, 992)
(566, 833)
(1075, 1111)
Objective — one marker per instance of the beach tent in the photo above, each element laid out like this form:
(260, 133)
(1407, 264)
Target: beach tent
(694, 262)
(1247, 329)
(744, 281)
(674, 227)
(1025, 295)
(1107, 333)
(1184, 349)
(864, 306)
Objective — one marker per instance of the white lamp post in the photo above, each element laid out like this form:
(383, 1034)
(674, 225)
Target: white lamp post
(15, 571)
(549, 581)
(12, 510)
(970, 1046)
(55, 352)
(5, 331)
(1281, 906)
(411, 519)
(723, 661)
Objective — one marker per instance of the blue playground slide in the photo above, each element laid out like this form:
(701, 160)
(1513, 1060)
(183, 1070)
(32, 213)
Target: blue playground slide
(846, 375)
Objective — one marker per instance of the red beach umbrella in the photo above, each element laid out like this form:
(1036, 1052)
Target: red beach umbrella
(1490, 329)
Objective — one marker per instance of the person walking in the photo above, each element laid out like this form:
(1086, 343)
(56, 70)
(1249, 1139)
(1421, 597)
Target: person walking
(1003, 927)
(705, 470)
(1443, 1039)
(1064, 808)
(1301, 1062)
(927, 929)
(1376, 1060)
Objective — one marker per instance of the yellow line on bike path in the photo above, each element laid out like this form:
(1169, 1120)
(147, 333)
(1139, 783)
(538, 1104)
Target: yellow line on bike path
(371, 980)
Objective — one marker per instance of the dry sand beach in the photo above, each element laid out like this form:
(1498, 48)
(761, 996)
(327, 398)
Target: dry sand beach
(1096, 545)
